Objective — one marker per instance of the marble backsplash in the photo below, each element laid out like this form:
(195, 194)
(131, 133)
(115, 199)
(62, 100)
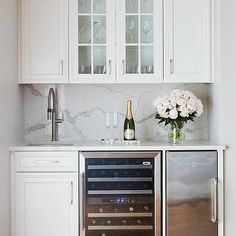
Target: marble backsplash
(84, 108)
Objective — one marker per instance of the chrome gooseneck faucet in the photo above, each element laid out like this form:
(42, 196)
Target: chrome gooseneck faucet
(52, 113)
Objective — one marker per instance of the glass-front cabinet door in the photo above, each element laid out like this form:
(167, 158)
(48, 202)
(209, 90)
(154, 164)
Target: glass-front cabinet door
(139, 24)
(92, 41)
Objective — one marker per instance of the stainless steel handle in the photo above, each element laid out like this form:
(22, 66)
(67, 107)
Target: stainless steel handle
(171, 66)
(72, 193)
(82, 202)
(123, 65)
(214, 207)
(109, 66)
(62, 67)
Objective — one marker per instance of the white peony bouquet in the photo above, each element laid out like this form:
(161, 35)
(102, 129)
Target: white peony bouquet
(177, 108)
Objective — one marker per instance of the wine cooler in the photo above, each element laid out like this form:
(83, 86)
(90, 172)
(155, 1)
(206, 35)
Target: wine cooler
(120, 194)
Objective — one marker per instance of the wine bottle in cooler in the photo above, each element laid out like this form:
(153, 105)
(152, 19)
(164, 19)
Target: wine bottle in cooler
(129, 125)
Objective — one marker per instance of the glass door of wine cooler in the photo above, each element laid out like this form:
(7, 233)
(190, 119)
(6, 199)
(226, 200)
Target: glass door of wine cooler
(120, 194)
(140, 40)
(92, 40)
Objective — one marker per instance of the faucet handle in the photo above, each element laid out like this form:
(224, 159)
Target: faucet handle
(49, 113)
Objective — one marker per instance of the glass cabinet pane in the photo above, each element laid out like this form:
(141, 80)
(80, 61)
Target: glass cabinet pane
(99, 6)
(92, 36)
(84, 60)
(147, 66)
(146, 29)
(132, 32)
(139, 37)
(84, 6)
(99, 29)
(99, 57)
(132, 60)
(146, 6)
(131, 6)
(84, 29)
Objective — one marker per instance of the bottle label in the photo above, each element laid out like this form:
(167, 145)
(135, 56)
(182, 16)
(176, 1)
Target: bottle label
(129, 134)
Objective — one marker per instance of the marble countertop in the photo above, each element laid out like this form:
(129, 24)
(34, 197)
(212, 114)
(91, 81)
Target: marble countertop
(98, 146)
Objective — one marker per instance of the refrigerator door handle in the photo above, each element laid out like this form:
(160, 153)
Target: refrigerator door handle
(214, 201)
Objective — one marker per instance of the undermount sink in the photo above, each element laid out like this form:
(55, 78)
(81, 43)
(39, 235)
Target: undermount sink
(49, 143)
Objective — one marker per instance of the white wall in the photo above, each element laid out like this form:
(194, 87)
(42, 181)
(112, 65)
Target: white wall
(11, 104)
(223, 97)
(228, 111)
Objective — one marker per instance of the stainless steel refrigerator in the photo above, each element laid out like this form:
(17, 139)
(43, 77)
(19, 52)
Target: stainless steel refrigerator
(191, 182)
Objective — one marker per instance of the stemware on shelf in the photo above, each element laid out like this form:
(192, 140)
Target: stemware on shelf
(131, 28)
(146, 27)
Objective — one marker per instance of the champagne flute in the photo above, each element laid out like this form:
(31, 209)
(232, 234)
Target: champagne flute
(115, 123)
(107, 124)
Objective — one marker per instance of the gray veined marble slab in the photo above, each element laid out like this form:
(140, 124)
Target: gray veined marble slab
(84, 108)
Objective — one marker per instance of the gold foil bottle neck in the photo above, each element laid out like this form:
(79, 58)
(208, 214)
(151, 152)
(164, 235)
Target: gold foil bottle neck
(129, 110)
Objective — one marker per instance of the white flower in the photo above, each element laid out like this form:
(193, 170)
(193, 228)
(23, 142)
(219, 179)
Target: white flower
(161, 110)
(165, 115)
(199, 108)
(181, 102)
(184, 113)
(173, 101)
(176, 93)
(173, 114)
(188, 95)
(192, 105)
(165, 101)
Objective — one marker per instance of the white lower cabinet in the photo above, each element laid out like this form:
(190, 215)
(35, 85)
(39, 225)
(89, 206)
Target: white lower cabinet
(44, 203)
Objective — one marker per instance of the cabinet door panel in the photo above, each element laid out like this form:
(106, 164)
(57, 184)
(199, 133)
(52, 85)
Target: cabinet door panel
(190, 193)
(46, 205)
(188, 41)
(139, 42)
(43, 41)
(92, 41)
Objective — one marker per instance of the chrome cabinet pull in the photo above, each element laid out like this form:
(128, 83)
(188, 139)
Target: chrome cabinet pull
(123, 64)
(171, 66)
(214, 201)
(110, 67)
(62, 67)
(72, 193)
(47, 162)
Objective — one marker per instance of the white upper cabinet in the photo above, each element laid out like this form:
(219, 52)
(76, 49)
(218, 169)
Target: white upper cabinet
(115, 41)
(187, 41)
(43, 41)
(139, 41)
(92, 41)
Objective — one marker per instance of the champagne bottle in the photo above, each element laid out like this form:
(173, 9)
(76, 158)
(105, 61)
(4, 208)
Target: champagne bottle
(129, 126)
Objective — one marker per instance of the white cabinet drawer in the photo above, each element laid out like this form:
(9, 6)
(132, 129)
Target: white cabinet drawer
(46, 161)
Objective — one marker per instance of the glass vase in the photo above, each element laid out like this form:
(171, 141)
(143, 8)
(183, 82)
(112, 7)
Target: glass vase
(176, 134)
